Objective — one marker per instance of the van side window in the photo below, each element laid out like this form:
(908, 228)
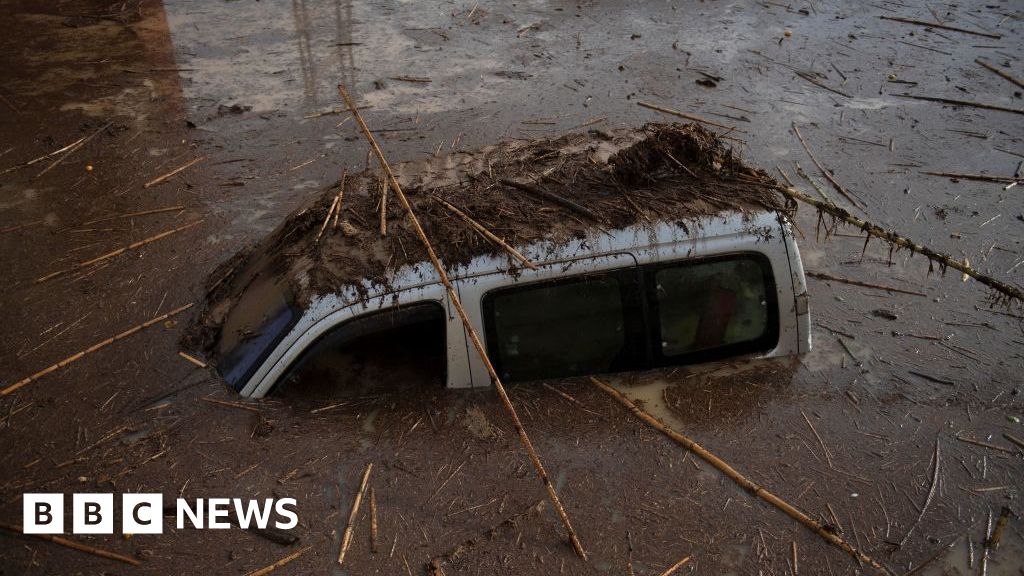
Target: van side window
(557, 329)
(712, 308)
(399, 347)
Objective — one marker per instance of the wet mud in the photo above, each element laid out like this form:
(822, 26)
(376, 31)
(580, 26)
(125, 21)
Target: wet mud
(847, 433)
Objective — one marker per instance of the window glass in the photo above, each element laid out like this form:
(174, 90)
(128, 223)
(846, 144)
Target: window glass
(558, 329)
(258, 321)
(396, 349)
(713, 305)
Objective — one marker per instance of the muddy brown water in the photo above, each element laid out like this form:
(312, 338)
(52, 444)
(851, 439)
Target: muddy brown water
(448, 465)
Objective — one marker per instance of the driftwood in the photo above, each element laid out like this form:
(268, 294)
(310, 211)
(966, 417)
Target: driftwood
(968, 103)
(1010, 293)
(470, 330)
(826, 533)
(940, 26)
(346, 539)
(684, 115)
(91, 349)
(997, 71)
(672, 569)
(831, 278)
(118, 252)
(279, 563)
(978, 177)
(76, 546)
(171, 174)
(828, 175)
(487, 233)
(557, 199)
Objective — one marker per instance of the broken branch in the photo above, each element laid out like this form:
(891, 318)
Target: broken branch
(940, 26)
(346, 539)
(829, 535)
(91, 349)
(170, 174)
(672, 112)
(829, 277)
(487, 234)
(557, 199)
(470, 330)
(76, 545)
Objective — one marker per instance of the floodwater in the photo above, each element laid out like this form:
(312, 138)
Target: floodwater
(849, 433)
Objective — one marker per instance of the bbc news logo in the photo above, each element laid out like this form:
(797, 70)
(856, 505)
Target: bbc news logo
(144, 513)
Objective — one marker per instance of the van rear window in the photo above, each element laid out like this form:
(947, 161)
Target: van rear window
(557, 329)
(714, 306)
(633, 319)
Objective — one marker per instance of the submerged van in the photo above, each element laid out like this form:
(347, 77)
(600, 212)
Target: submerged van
(620, 295)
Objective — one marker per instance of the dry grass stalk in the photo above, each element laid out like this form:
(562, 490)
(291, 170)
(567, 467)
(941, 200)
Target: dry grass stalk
(118, 252)
(279, 563)
(170, 174)
(76, 545)
(825, 533)
(91, 349)
(487, 234)
(470, 330)
(679, 114)
(346, 539)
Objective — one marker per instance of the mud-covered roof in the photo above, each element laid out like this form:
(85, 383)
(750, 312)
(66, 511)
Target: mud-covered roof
(616, 179)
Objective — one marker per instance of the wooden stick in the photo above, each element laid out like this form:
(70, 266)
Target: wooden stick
(927, 500)
(327, 219)
(487, 234)
(346, 539)
(238, 405)
(470, 330)
(557, 199)
(373, 521)
(979, 177)
(829, 277)
(91, 349)
(383, 207)
(71, 149)
(985, 445)
(279, 563)
(160, 179)
(341, 193)
(134, 214)
(940, 26)
(1014, 439)
(826, 534)
(672, 569)
(684, 115)
(75, 545)
(828, 175)
(192, 359)
(968, 103)
(117, 252)
(1003, 288)
(1005, 75)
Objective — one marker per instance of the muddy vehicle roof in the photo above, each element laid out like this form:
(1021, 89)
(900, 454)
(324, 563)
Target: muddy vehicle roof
(620, 178)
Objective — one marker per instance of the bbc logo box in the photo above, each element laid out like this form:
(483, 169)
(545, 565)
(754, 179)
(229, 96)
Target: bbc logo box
(92, 513)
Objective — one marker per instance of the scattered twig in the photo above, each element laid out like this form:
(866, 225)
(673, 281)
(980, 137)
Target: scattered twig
(828, 175)
(825, 533)
(118, 252)
(684, 115)
(192, 359)
(72, 148)
(75, 545)
(927, 500)
(487, 234)
(91, 349)
(1014, 439)
(279, 563)
(238, 405)
(170, 174)
(470, 330)
(346, 539)
(831, 278)
(557, 199)
(940, 26)
(968, 103)
(1005, 75)
(373, 521)
(984, 444)
(672, 569)
(979, 177)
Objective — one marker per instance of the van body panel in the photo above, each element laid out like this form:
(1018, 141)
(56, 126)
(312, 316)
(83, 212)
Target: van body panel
(763, 233)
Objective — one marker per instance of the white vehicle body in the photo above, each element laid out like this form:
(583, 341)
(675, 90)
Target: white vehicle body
(764, 234)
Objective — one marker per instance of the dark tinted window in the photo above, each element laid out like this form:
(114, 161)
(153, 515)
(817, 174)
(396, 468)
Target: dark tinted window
(387, 351)
(557, 329)
(258, 321)
(715, 307)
